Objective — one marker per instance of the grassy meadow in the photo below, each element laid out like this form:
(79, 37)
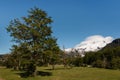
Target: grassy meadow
(76, 73)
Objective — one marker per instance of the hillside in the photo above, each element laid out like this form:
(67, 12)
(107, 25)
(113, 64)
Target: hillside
(114, 43)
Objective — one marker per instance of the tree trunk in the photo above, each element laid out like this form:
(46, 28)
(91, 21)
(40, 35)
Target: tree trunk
(17, 68)
(35, 73)
(53, 66)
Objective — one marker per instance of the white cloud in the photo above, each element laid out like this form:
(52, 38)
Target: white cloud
(97, 38)
(94, 42)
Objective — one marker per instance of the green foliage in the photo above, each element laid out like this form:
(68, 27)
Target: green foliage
(115, 63)
(98, 63)
(89, 58)
(105, 58)
(33, 36)
(78, 62)
(8, 61)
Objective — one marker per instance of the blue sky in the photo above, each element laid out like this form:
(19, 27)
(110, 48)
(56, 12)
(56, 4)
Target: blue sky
(74, 20)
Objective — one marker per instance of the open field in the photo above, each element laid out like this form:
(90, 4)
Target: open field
(76, 73)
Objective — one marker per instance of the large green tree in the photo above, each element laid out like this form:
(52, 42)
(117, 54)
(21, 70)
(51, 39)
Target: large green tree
(35, 32)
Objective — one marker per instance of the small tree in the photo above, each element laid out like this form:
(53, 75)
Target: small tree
(16, 57)
(8, 61)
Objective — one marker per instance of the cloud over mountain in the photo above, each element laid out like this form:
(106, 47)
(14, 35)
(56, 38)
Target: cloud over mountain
(92, 43)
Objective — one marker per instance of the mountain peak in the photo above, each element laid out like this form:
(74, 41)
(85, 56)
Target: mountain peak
(92, 43)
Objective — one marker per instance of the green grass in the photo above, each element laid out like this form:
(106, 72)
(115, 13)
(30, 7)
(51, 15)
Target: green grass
(76, 73)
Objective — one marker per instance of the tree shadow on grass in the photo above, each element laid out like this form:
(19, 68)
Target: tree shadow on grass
(54, 69)
(39, 73)
(43, 73)
(58, 69)
(23, 74)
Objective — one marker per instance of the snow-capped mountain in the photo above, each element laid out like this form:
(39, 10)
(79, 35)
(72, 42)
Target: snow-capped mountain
(92, 43)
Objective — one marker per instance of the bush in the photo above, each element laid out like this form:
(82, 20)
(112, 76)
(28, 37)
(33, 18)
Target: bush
(98, 63)
(115, 63)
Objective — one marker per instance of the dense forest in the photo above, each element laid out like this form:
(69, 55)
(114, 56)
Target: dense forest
(108, 57)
